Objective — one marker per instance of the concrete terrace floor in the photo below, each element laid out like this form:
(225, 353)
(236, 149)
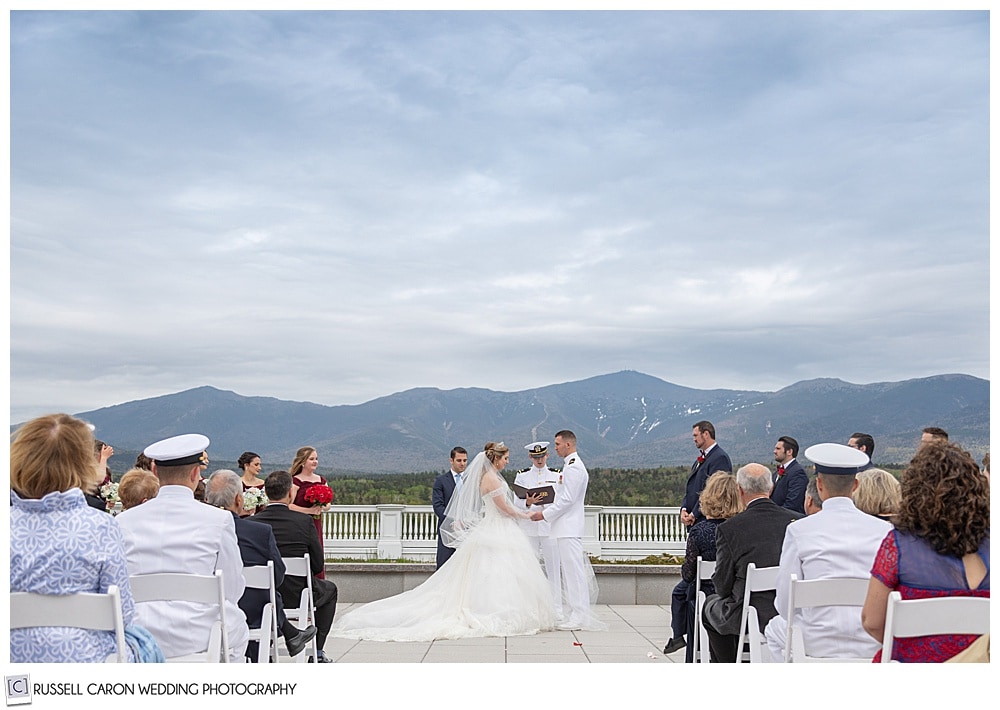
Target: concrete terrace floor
(633, 633)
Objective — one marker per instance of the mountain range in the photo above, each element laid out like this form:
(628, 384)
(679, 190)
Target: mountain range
(622, 420)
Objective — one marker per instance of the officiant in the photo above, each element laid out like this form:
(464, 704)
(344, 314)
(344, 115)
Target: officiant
(545, 546)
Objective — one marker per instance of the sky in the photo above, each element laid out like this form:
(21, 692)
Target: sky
(336, 206)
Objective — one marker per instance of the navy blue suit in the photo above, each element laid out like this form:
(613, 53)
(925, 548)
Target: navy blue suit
(257, 547)
(715, 460)
(790, 489)
(441, 492)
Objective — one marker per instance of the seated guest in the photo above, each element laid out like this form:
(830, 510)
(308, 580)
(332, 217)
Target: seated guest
(719, 500)
(813, 503)
(257, 547)
(878, 494)
(838, 541)
(940, 547)
(174, 533)
(58, 544)
(137, 486)
(296, 536)
(755, 535)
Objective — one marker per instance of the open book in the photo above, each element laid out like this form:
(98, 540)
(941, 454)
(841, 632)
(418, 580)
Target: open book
(548, 493)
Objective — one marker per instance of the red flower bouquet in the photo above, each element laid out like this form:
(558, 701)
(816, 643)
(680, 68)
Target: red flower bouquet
(320, 494)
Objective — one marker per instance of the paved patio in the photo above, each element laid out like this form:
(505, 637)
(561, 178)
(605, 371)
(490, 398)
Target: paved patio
(634, 632)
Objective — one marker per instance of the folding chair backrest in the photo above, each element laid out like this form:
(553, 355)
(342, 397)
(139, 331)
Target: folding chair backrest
(809, 593)
(202, 589)
(84, 610)
(305, 614)
(759, 579)
(704, 570)
(933, 617)
(262, 577)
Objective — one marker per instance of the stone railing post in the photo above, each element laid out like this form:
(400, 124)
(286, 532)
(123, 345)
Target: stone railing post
(390, 531)
(592, 529)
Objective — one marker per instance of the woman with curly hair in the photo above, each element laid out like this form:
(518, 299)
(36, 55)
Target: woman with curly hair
(939, 548)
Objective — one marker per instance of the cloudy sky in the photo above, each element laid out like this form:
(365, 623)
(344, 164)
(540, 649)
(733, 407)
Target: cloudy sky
(337, 206)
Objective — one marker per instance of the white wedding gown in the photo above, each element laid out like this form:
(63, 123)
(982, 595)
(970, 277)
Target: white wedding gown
(492, 586)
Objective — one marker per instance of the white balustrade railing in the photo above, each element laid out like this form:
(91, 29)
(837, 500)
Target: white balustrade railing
(408, 532)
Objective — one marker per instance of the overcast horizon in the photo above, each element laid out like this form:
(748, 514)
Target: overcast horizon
(337, 206)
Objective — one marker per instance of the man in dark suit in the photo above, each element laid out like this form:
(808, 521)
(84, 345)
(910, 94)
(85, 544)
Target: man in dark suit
(257, 546)
(711, 458)
(790, 479)
(295, 535)
(863, 442)
(755, 535)
(444, 487)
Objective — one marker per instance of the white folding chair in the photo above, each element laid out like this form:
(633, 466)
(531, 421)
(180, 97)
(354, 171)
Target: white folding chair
(202, 589)
(933, 617)
(262, 577)
(699, 636)
(305, 613)
(83, 610)
(809, 593)
(763, 579)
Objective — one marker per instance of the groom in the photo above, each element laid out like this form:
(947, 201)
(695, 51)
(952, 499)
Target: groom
(566, 518)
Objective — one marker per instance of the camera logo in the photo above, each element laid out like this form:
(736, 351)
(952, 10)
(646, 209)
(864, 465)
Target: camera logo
(18, 689)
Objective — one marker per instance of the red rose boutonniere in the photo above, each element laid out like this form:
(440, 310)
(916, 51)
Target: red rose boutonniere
(781, 471)
(701, 458)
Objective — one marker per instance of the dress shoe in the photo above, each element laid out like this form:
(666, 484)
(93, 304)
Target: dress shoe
(323, 658)
(296, 643)
(674, 645)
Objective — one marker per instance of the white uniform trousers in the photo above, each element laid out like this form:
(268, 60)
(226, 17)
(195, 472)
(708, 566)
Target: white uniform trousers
(573, 573)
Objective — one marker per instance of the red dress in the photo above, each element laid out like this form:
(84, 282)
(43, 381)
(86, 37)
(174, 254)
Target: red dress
(908, 565)
(300, 500)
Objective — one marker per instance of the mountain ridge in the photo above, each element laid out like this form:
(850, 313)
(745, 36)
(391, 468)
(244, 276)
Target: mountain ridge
(624, 419)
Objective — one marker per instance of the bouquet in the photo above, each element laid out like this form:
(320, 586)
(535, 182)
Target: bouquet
(254, 498)
(109, 492)
(320, 494)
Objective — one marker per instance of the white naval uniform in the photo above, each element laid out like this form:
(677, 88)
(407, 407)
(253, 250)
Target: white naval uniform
(566, 518)
(838, 541)
(539, 532)
(173, 532)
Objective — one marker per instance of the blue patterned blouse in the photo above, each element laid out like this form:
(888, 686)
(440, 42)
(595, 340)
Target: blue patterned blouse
(60, 545)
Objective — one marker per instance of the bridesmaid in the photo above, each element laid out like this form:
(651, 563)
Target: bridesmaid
(250, 463)
(304, 477)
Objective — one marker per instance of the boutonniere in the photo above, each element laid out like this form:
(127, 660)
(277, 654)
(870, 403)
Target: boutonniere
(781, 471)
(701, 458)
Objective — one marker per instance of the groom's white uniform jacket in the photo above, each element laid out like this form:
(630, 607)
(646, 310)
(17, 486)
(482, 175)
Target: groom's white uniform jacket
(566, 513)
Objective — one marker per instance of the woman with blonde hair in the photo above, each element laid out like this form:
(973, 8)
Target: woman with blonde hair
(137, 486)
(58, 544)
(878, 493)
(304, 477)
(719, 501)
(492, 586)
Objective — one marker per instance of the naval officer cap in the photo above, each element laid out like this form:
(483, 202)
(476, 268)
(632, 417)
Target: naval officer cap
(836, 459)
(537, 448)
(179, 450)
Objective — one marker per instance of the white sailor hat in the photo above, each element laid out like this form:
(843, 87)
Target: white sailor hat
(537, 448)
(179, 450)
(836, 458)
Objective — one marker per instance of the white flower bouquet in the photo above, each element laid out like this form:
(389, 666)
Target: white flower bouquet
(254, 498)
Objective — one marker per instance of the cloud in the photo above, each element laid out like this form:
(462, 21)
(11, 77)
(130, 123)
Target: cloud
(336, 206)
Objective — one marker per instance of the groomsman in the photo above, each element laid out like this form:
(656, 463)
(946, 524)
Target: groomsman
(441, 492)
(711, 458)
(539, 532)
(789, 479)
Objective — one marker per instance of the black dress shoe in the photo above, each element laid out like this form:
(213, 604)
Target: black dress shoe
(323, 658)
(674, 645)
(296, 643)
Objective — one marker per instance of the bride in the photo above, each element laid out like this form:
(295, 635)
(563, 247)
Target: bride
(492, 585)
